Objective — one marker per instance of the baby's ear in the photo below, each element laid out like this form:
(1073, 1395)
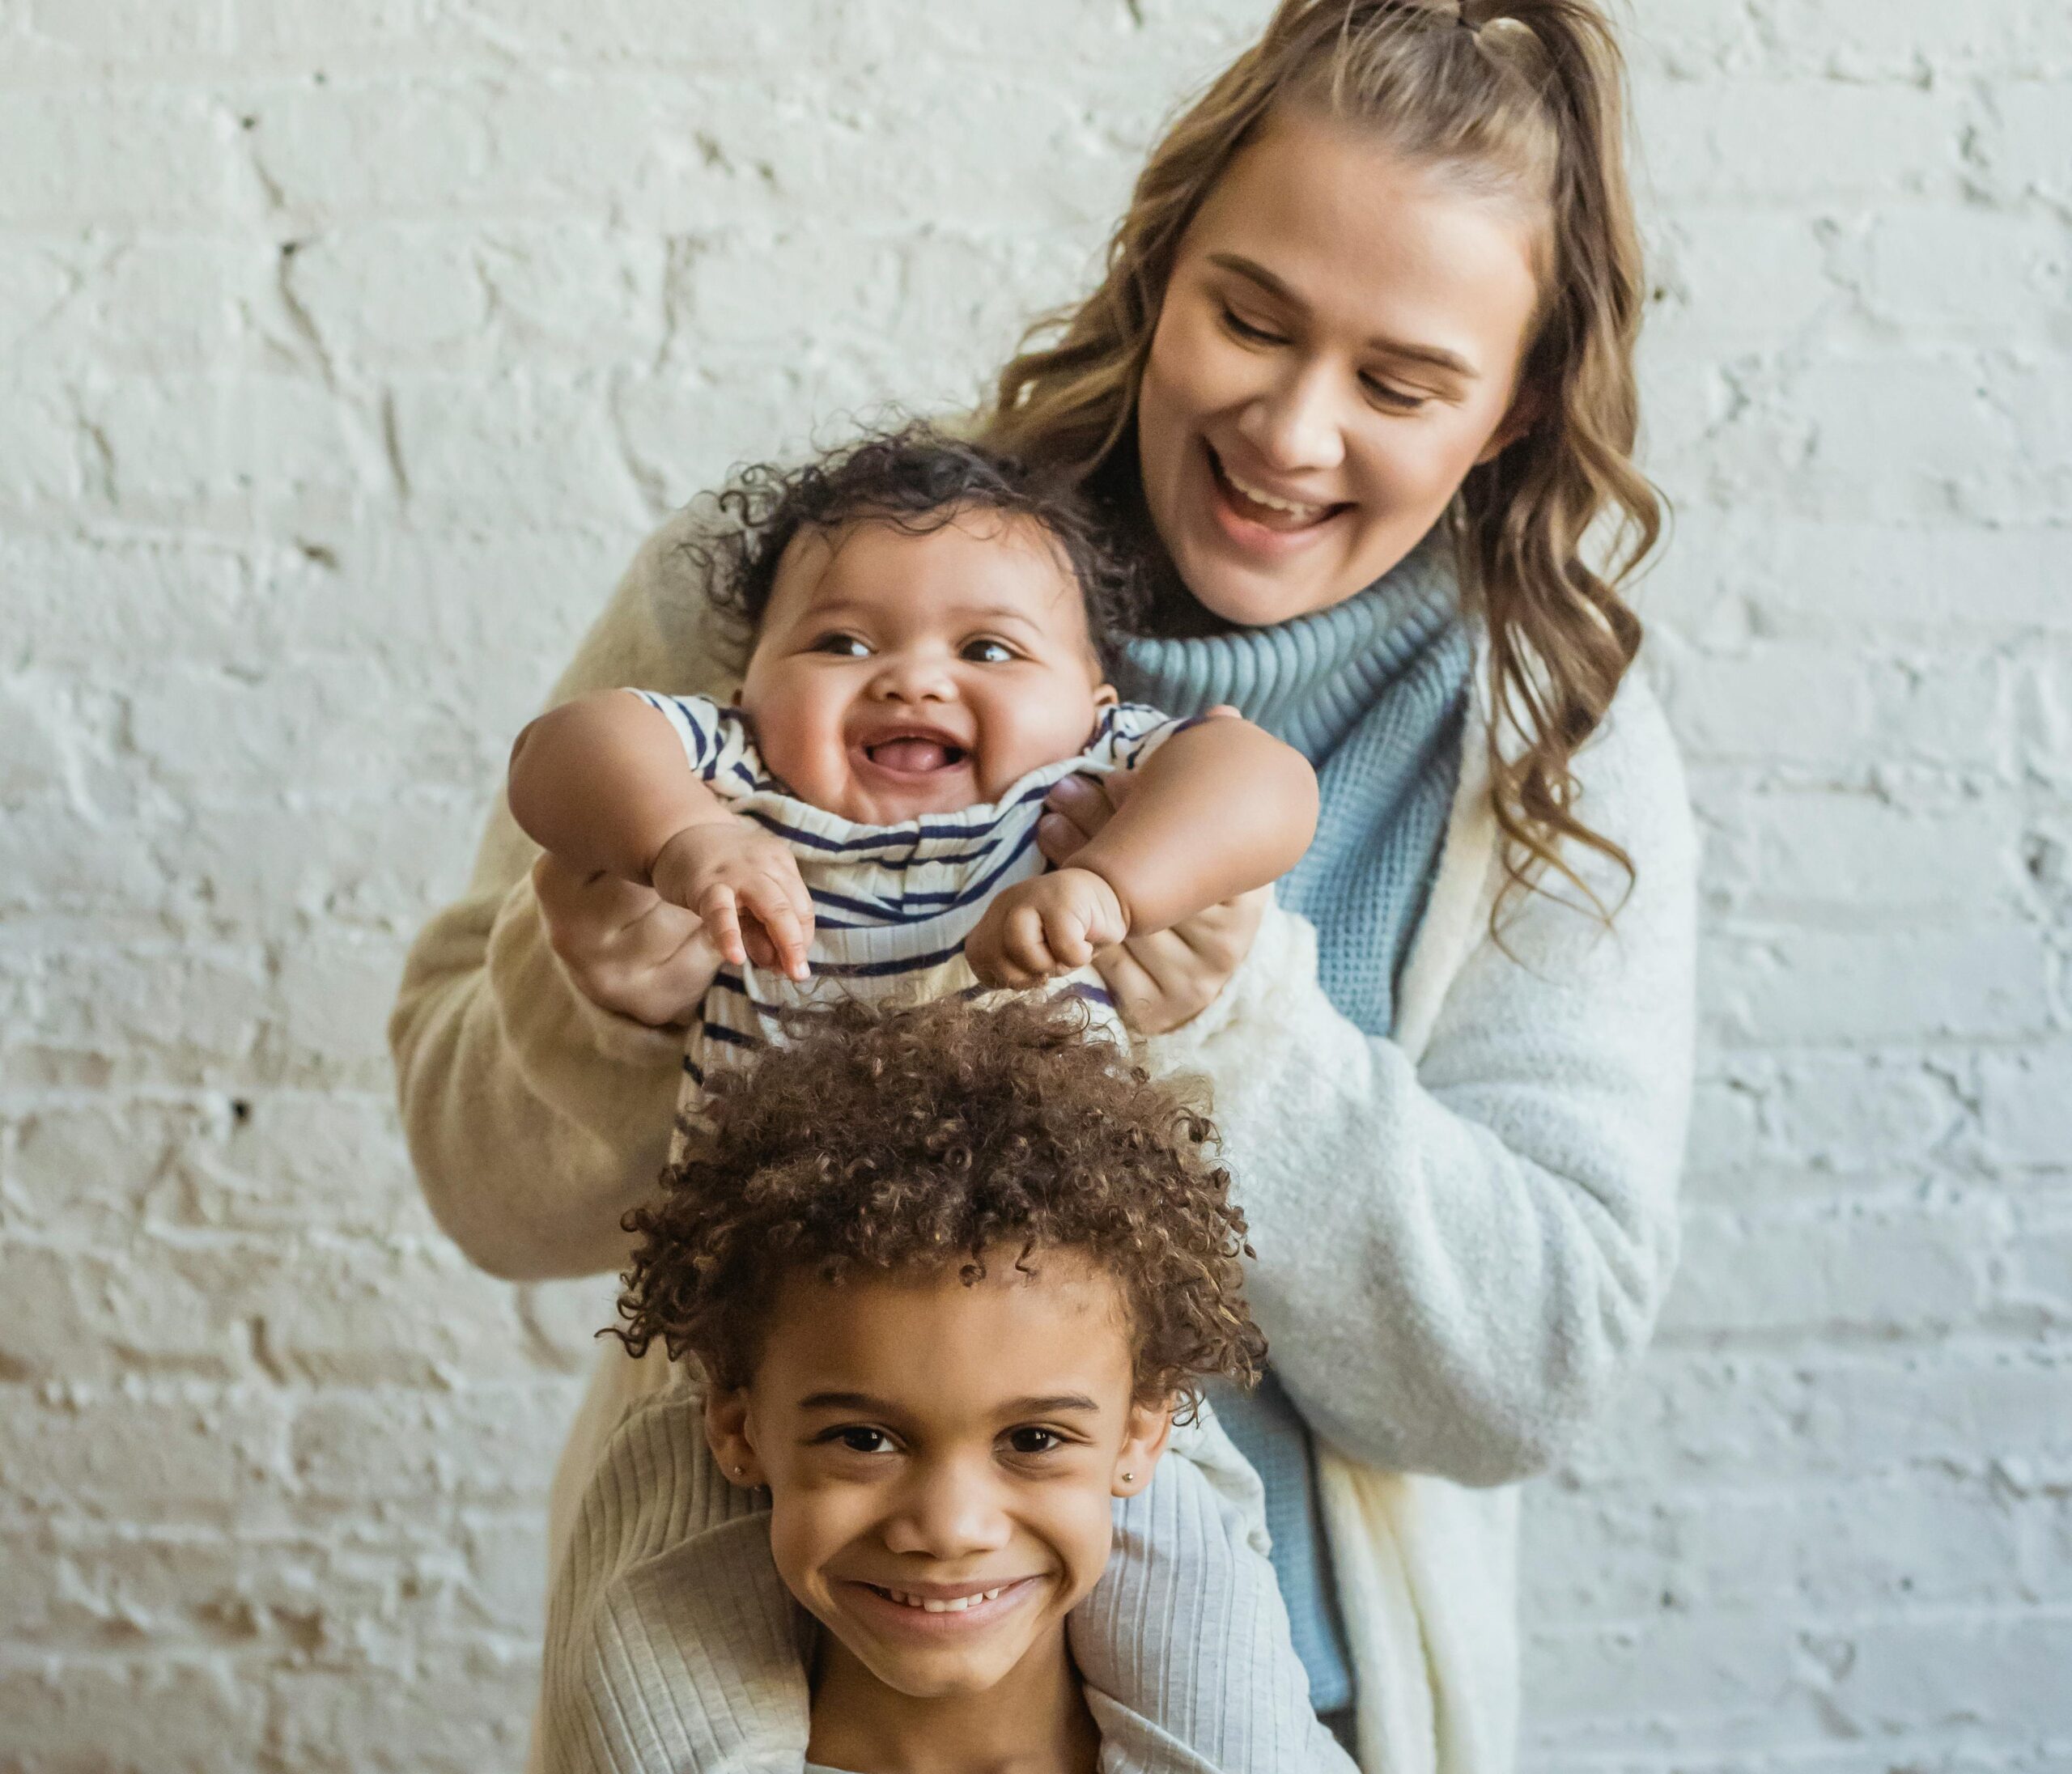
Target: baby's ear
(1149, 1428)
(1106, 696)
(726, 1433)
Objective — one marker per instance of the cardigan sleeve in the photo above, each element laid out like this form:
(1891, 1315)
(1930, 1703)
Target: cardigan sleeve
(536, 1118)
(1460, 1260)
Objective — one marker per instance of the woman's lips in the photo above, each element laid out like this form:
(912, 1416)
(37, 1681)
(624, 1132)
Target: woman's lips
(1257, 526)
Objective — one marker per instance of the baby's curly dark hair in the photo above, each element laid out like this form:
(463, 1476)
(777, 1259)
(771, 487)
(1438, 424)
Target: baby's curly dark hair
(918, 478)
(937, 1135)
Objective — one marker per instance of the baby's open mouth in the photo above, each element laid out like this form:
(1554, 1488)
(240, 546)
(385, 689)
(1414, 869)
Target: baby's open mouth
(914, 755)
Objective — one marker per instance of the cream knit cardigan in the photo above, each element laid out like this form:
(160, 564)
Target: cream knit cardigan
(1464, 1231)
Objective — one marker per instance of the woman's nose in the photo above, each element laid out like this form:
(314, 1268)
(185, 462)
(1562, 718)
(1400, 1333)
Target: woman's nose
(1294, 425)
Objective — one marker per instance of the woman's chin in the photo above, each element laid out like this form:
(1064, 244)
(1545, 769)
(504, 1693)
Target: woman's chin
(1251, 598)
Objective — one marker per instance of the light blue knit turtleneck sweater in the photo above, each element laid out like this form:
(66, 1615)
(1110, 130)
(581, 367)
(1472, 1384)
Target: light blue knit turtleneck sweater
(1372, 692)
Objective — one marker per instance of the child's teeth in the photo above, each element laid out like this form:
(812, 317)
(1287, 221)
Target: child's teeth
(955, 1605)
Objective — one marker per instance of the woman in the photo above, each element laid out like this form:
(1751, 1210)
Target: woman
(1360, 376)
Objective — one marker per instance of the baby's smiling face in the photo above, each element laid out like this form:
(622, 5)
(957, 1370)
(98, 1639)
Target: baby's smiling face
(898, 674)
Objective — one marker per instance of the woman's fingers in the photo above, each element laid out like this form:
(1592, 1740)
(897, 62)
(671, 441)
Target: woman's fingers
(624, 947)
(1057, 838)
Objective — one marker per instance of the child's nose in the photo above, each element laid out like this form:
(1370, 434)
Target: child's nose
(950, 1511)
(913, 678)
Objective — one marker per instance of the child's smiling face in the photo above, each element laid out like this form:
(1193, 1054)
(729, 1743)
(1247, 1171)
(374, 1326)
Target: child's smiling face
(897, 674)
(941, 1458)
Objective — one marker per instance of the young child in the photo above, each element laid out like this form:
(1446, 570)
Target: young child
(927, 621)
(950, 1274)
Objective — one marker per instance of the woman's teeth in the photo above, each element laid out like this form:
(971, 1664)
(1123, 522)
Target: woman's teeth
(1301, 514)
(957, 1605)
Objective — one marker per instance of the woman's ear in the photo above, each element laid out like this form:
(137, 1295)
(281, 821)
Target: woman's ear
(1149, 1428)
(1528, 407)
(726, 1433)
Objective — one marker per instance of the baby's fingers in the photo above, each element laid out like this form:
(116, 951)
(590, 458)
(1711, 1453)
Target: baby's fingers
(779, 919)
(717, 907)
(1064, 937)
(1026, 947)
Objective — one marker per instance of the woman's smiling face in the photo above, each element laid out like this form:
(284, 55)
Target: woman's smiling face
(1339, 344)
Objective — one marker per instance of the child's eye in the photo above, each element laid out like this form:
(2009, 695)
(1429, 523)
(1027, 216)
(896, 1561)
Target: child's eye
(1032, 1440)
(988, 652)
(858, 1439)
(1245, 329)
(842, 646)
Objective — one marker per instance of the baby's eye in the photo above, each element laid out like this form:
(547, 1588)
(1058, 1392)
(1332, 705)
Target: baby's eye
(842, 646)
(1030, 1440)
(988, 652)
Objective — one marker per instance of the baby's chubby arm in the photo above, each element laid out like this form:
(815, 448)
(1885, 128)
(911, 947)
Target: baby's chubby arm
(601, 783)
(1219, 809)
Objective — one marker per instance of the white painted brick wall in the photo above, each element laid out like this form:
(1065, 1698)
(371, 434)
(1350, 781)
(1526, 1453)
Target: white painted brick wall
(349, 347)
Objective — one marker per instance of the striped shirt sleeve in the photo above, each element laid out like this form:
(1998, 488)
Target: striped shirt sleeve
(1130, 732)
(716, 742)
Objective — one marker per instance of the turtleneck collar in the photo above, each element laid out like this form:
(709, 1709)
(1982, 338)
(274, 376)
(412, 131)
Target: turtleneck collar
(1309, 680)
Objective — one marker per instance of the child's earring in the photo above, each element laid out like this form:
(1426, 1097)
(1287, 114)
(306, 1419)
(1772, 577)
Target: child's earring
(1129, 1478)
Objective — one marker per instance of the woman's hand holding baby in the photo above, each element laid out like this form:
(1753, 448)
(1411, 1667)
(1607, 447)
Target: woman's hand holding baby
(745, 888)
(624, 947)
(1038, 929)
(1162, 979)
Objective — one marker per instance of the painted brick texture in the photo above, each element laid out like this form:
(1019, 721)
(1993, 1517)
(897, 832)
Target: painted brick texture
(347, 348)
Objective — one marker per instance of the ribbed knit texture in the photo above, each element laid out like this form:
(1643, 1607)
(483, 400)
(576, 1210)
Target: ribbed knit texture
(1372, 692)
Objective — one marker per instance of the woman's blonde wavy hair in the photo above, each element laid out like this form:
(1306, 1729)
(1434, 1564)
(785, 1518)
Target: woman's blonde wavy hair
(1519, 99)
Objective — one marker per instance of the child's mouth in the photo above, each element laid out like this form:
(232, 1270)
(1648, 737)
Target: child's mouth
(930, 1616)
(914, 755)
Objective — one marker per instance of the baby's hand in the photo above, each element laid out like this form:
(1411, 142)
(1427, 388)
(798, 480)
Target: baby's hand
(1038, 929)
(745, 885)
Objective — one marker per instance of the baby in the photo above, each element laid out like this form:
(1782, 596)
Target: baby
(948, 1383)
(926, 623)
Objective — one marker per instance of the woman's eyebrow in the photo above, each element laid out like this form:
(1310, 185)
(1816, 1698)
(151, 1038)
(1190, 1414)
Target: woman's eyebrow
(1436, 356)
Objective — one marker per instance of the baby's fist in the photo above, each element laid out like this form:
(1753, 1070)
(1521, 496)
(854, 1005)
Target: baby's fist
(745, 886)
(1038, 929)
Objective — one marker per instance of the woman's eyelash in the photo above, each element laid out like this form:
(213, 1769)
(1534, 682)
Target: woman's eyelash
(1244, 328)
(1392, 397)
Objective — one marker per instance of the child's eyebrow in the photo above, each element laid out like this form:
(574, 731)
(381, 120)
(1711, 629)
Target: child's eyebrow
(1054, 1404)
(845, 1401)
(1051, 1404)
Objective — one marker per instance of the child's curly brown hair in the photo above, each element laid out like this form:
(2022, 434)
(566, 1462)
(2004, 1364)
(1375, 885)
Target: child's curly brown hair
(916, 477)
(932, 1135)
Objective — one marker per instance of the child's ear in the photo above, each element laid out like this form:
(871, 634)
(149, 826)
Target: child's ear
(1149, 1428)
(1106, 696)
(726, 1433)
